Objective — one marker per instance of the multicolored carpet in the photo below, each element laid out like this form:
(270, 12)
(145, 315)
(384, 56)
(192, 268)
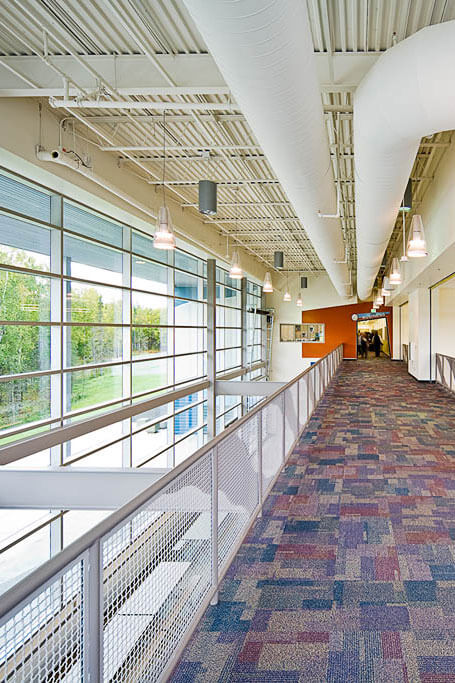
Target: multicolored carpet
(350, 574)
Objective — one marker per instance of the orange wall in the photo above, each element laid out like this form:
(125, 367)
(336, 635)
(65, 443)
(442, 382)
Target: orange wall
(339, 328)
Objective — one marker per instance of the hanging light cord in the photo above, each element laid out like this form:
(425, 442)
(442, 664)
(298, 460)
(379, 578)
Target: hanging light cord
(164, 156)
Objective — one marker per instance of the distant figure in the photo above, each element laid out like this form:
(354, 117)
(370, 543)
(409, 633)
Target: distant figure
(377, 343)
(359, 344)
(364, 346)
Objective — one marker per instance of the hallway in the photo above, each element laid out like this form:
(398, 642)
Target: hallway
(350, 573)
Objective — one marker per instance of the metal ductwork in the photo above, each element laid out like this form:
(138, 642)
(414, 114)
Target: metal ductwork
(265, 52)
(408, 94)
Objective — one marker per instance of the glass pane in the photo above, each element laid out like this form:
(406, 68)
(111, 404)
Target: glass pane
(143, 244)
(90, 261)
(151, 374)
(190, 339)
(151, 341)
(24, 297)
(189, 263)
(228, 317)
(111, 456)
(86, 345)
(152, 277)
(227, 337)
(24, 244)
(24, 348)
(88, 442)
(86, 388)
(188, 446)
(23, 401)
(232, 297)
(151, 416)
(91, 224)
(22, 558)
(78, 522)
(188, 286)
(22, 197)
(150, 441)
(227, 359)
(189, 313)
(151, 310)
(189, 367)
(86, 303)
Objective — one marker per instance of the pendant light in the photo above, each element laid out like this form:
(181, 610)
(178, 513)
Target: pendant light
(236, 272)
(267, 287)
(417, 246)
(378, 301)
(386, 288)
(404, 258)
(303, 284)
(164, 235)
(287, 296)
(395, 272)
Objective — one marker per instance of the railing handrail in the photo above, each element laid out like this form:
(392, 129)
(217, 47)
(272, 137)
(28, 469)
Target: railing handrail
(42, 574)
(59, 435)
(444, 355)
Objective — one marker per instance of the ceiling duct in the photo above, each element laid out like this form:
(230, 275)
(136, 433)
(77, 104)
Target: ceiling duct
(265, 52)
(408, 94)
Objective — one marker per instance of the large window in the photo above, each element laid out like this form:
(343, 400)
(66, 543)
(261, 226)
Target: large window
(93, 318)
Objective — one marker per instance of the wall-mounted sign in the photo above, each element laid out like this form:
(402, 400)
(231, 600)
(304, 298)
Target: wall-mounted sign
(369, 316)
(303, 333)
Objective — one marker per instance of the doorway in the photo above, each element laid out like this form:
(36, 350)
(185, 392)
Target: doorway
(367, 329)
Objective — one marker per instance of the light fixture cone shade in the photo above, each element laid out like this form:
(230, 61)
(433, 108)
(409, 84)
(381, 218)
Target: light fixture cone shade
(164, 235)
(395, 272)
(287, 296)
(267, 287)
(387, 284)
(299, 302)
(417, 245)
(235, 272)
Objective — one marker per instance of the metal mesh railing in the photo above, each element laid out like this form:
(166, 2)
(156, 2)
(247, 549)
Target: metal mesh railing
(119, 603)
(445, 371)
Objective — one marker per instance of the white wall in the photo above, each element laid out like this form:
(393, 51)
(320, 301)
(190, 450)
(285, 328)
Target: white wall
(442, 322)
(287, 361)
(438, 215)
(419, 333)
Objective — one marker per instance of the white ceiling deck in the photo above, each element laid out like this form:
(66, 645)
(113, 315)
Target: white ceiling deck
(140, 54)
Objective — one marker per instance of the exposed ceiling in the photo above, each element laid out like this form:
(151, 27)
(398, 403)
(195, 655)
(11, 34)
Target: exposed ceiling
(125, 58)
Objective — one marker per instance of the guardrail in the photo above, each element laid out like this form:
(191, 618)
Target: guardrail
(445, 371)
(120, 603)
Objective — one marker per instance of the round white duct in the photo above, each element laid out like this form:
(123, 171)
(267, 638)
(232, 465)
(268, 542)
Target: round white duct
(265, 52)
(408, 94)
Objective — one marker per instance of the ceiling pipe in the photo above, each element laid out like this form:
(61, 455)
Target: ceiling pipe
(408, 94)
(265, 53)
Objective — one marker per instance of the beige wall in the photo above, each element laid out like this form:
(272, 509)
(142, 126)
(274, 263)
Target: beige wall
(20, 133)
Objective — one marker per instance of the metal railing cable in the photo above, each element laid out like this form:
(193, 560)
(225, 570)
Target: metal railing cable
(121, 601)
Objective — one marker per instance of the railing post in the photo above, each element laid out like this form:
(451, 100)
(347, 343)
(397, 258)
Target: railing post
(307, 380)
(214, 525)
(283, 403)
(259, 463)
(93, 615)
(298, 407)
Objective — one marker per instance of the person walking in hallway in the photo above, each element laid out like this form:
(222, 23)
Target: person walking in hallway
(364, 345)
(377, 343)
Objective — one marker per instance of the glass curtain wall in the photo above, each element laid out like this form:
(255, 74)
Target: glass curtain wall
(93, 318)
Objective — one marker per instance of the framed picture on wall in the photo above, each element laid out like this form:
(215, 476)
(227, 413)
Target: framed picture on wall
(303, 333)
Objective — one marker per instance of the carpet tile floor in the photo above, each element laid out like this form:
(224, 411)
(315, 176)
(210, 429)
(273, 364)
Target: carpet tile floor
(349, 575)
